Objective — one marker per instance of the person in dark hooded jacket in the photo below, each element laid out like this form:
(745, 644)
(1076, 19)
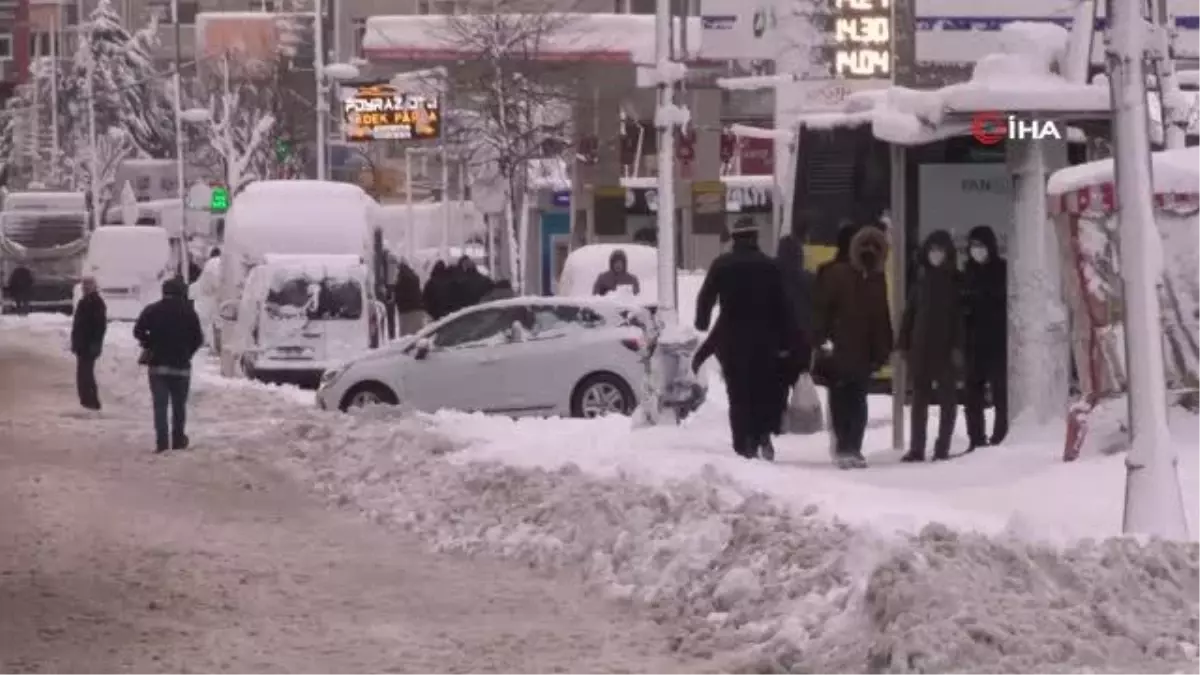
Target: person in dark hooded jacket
(985, 304)
(436, 294)
(616, 275)
(468, 285)
(754, 333)
(852, 334)
(931, 340)
(170, 335)
(407, 296)
(20, 287)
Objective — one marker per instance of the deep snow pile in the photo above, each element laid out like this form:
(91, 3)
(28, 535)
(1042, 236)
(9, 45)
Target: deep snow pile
(733, 572)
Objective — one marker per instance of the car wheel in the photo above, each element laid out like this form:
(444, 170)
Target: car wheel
(602, 394)
(368, 393)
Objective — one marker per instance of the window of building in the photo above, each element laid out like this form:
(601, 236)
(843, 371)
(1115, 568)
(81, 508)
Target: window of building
(360, 33)
(187, 12)
(6, 46)
(439, 7)
(39, 44)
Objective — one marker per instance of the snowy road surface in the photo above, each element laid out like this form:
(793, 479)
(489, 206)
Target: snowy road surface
(998, 562)
(112, 560)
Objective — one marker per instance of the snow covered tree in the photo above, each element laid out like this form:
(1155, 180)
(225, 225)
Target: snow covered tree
(507, 105)
(234, 141)
(127, 91)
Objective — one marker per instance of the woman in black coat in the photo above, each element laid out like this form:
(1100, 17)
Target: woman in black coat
(985, 308)
(437, 292)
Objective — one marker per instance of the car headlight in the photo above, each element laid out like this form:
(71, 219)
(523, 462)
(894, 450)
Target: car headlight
(330, 376)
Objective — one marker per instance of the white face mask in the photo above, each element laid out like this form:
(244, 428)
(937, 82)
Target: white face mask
(979, 254)
(937, 257)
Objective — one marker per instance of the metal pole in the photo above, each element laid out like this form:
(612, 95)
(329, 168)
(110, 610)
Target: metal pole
(95, 162)
(179, 179)
(462, 200)
(1153, 499)
(55, 146)
(319, 74)
(336, 7)
(898, 270)
(445, 248)
(665, 121)
(410, 232)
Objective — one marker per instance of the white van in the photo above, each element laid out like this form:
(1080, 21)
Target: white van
(293, 217)
(129, 263)
(300, 315)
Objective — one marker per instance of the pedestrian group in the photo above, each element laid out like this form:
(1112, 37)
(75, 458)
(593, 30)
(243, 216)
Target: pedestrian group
(780, 329)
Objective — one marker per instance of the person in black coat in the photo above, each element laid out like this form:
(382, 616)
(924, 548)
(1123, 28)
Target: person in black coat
(798, 286)
(407, 296)
(437, 291)
(985, 306)
(87, 341)
(469, 285)
(169, 333)
(931, 341)
(753, 335)
(20, 287)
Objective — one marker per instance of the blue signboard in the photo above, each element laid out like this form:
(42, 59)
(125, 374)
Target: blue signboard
(561, 199)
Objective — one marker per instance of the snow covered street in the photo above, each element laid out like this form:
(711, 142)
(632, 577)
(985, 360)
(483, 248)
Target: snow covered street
(112, 560)
(216, 559)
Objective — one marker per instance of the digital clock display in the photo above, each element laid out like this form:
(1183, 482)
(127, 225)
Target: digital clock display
(862, 39)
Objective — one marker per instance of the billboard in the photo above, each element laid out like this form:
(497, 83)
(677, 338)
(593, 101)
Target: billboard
(377, 112)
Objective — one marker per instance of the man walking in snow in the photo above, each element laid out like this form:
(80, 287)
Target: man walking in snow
(985, 303)
(407, 297)
(87, 341)
(752, 337)
(169, 333)
(930, 339)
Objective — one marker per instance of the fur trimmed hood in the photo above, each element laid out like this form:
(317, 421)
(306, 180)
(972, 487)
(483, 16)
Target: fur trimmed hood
(872, 241)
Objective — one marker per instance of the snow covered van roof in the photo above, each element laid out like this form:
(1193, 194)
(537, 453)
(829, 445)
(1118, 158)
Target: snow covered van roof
(307, 189)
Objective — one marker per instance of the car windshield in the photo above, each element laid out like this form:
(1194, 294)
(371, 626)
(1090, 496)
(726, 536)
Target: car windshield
(300, 294)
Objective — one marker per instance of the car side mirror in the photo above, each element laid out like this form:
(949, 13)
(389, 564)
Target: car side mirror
(229, 311)
(421, 348)
(515, 332)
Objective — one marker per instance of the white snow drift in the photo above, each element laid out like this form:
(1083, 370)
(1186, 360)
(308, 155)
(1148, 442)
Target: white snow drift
(738, 566)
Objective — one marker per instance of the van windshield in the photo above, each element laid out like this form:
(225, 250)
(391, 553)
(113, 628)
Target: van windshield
(296, 294)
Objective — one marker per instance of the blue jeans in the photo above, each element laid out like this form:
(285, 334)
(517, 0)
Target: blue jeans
(169, 391)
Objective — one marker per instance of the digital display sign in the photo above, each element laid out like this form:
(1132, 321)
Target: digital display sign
(379, 112)
(862, 39)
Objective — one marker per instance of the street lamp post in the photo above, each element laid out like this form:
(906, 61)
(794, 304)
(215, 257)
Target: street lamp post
(179, 167)
(1153, 499)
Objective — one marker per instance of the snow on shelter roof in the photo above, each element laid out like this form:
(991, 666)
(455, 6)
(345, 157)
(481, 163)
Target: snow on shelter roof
(1175, 172)
(1019, 79)
(618, 38)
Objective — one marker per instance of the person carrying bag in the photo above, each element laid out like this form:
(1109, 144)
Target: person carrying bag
(803, 414)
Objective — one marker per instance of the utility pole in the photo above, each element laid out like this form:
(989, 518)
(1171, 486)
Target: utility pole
(1153, 498)
(321, 94)
(181, 189)
(665, 122)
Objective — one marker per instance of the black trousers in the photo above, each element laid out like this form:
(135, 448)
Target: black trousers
(85, 382)
(986, 376)
(848, 413)
(751, 384)
(933, 385)
(169, 393)
(391, 320)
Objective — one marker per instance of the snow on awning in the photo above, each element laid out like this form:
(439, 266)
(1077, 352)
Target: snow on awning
(1175, 173)
(611, 38)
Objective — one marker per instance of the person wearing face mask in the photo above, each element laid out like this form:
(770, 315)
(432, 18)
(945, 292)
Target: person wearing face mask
(930, 338)
(985, 300)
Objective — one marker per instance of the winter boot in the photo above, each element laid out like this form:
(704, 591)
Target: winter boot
(914, 455)
(857, 461)
(180, 443)
(941, 451)
(981, 443)
(843, 461)
(766, 448)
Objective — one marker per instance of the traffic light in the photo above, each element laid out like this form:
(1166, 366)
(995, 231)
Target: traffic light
(219, 201)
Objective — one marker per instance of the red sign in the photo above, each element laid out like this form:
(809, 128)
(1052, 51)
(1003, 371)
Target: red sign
(757, 156)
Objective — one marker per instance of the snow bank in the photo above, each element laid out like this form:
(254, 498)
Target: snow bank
(762, 583)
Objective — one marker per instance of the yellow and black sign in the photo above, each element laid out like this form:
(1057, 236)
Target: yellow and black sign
(378, 112)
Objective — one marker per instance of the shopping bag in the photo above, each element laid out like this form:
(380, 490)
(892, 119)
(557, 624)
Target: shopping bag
(803, 414)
